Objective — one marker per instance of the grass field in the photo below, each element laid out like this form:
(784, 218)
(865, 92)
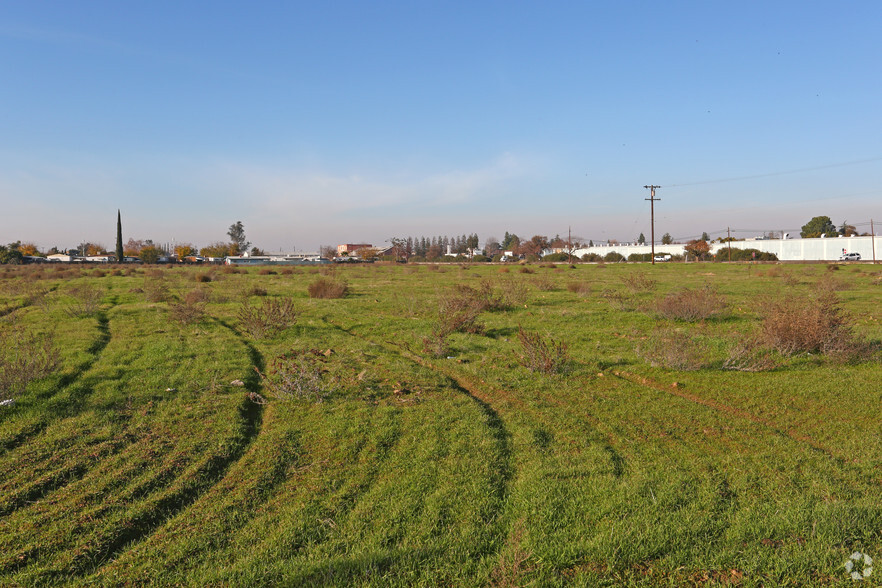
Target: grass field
(439, 425)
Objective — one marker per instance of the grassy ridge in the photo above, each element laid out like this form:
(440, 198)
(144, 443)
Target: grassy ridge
(140, 460)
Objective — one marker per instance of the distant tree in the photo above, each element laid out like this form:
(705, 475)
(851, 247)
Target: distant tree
(847, 230)
(534, 246)
(433, 253)
(183, 250)
(590, 244)
(510, 241)
(705, 237)
(667, 239)
(819, 225)
(28, 249)
(150, 254)
(472, 241)
(133, 247)
(120, 256)
(641, 239)
(257, 251)
(399, 247)
(11, 254)
(367, 253)
(91, 248)
(237, 237)
(492, 245)
(328, 251)
(697, 247)
(218, 249)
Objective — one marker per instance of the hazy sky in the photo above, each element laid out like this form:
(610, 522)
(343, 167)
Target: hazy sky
(326, 122)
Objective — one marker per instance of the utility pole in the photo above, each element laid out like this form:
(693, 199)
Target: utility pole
(570, 245)
(729, 242)
(873, 240)
(652, 199)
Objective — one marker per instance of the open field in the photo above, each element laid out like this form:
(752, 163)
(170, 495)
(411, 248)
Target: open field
(440, 425)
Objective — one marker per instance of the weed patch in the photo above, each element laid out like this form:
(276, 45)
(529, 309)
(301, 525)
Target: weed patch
(24, 357)
(542, 354)
(692, 304)
(326, 287)
(270, 318)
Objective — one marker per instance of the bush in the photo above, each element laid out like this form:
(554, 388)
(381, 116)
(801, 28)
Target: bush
(692, 305)
(543, 355)
(556, 257)
(613, 257)
(191, 308)
(24, 357)
(581, 288)
(203, 278)
(810, 324)
(83, 300)
(640, 257)
(325, 287)
(676, 350)
(268, 319)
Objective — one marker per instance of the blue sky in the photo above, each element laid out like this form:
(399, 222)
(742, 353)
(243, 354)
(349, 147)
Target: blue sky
(326, 122)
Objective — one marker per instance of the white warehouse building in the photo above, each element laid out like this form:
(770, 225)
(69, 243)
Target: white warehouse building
(823, 249)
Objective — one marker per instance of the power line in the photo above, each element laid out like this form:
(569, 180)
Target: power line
(780, 173)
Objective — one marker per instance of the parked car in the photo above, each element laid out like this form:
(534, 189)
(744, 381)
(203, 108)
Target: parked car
(663, 257)
(850, 257)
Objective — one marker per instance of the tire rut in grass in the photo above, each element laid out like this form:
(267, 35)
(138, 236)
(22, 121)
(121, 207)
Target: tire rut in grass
(502, 463)
(143, 524)
(801, 439)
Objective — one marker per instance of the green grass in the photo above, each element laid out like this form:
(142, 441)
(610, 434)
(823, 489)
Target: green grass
(156, 455)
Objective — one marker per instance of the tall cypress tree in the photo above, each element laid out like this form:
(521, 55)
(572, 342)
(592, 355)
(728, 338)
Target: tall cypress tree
(120, 258)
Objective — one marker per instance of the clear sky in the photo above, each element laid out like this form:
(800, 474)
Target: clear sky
(326, 122)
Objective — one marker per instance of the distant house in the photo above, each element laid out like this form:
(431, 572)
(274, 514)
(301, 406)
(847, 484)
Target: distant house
(60, 257)
(349, 248)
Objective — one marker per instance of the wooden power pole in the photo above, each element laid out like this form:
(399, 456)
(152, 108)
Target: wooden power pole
(652, 200)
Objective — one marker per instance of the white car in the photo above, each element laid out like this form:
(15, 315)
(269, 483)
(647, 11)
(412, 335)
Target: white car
(850, 257)
(663, 257)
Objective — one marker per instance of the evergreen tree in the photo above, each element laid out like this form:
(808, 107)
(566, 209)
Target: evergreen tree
(120, 256)
(641, 239)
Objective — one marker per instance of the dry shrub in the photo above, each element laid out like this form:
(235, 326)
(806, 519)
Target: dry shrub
(24, 357)
(155, 273)
(232, 269)
(751, 354)
(433, 267)
(580, 288)
(268, 319)
(203, 278)
(676, 349)
(811, 323)
(692, 305)
(325, 287)
(297, 375)
(266, 272)
(458, 310)
(503, 270)
(542, 354)
(155, 290)
(544, 283)
(526, 270)
(255, 291)
(639, 282)
(186, 313)
(513, 293)
(288, 271)
(83, 300)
